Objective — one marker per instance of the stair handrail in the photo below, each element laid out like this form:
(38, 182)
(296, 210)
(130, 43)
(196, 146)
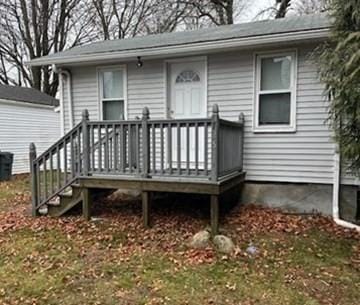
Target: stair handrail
(57, 143)
(37, 161)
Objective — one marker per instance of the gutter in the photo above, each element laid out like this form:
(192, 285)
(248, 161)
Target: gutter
(61, 97)
(336, 194)
(67, 74)
(26, 104)
(192, 48)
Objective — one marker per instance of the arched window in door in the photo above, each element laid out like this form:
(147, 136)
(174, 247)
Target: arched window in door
(187, 76)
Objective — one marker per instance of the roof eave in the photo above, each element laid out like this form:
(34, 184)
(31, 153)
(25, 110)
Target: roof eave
(28, 104)
(190, 48)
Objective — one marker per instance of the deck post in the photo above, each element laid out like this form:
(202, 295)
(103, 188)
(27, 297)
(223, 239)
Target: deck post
(86, 143)
(86, 203)
(215, 143)
(242, 121)
(34, 192)
(214, 214)
(145, 142)
(145, 196)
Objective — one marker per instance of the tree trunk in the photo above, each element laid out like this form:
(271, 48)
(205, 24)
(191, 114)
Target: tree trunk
(283, 8)
(36, 77)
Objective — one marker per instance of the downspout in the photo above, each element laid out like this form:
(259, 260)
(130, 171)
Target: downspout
(61, 95)
(336, 193)
(67, 74)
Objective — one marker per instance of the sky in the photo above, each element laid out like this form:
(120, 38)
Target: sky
(254, 7)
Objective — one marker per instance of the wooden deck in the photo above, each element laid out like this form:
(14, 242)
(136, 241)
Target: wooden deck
(200, 156)
(148, 186)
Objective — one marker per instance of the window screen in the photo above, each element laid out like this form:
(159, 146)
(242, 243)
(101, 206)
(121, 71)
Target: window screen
(274, 109)
(274, 90)
(112, 94)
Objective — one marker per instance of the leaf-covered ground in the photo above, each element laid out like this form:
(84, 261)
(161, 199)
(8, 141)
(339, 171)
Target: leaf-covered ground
(113, 260)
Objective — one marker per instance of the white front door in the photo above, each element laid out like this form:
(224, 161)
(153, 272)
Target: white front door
(187, 86)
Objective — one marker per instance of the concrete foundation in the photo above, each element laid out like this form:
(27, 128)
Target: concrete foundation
(348, 203)
(301, 198)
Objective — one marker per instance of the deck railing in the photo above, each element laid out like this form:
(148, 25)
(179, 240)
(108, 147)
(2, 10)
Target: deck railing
(207, 148)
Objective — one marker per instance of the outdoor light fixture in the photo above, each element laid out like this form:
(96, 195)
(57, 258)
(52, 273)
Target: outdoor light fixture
(139, 63)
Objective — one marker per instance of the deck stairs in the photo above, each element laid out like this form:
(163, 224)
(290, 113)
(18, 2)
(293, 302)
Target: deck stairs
(64, 201)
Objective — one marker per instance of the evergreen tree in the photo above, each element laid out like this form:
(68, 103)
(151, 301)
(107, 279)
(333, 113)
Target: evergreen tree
(339, 62)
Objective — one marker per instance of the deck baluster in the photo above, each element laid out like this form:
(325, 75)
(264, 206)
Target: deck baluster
(188, 148)
(51, 172)
(106, 148)
(215, 143)
(162, 148)
(169, 147)
(34, 179)
(74, 158)
(145, 142)
(153, 132)
(242, 121)
(205, 149)
(196, 149)
(122, 148)
(178, 147)
(58, 167)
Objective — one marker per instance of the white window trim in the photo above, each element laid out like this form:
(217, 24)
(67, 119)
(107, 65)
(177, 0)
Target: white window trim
(293, 82)
(102, 69)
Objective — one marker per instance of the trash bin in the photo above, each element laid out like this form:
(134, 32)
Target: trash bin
(6, 161)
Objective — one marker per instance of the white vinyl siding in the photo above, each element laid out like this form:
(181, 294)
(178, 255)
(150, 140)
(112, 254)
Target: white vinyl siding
(145, 87)
(304, 156)
(84, 94)
(21, 124)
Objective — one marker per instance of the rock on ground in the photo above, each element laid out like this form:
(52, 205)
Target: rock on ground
(223, 244)
(124, 194)
(200, 239)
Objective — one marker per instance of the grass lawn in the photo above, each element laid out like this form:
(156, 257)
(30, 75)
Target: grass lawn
(113, 260)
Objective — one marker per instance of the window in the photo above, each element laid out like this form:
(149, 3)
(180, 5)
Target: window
(187, 76)
(275, 108)
(112, 93)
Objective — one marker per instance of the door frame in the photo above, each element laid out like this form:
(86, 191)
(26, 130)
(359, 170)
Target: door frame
(167, 76)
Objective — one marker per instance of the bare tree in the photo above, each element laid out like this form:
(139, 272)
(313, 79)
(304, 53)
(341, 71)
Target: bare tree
(304, 7)
(34, 28)
(217, 12)
(298, 7)
(167, 16)
(118, 19)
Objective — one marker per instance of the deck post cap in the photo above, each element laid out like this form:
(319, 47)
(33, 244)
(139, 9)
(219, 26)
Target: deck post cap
(215, 109)
(241, 117)
(32, 147)
(146, 113)
(85, 114)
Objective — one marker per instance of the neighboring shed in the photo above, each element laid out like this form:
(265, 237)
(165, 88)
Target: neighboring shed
(26, 115)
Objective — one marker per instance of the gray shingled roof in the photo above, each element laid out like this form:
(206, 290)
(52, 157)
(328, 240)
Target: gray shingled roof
(27, 95)
(227, 32)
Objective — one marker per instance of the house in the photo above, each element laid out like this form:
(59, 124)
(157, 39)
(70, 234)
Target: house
(262, 70)
(26, 115)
